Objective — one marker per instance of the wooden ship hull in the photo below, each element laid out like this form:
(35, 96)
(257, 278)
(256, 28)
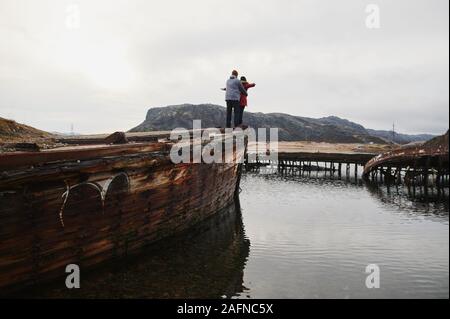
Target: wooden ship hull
(417, 163)
(87, 205)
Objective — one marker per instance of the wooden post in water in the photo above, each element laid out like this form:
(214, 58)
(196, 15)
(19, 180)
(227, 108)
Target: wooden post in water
(426, 176)
(388, 175)
(439, 176)
(414, 179)
(407, 179)
(399, 175)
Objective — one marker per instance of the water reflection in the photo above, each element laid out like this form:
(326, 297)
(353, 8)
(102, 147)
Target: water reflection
(206, 262)
(312, 237)
(432, 201)
(400, 197)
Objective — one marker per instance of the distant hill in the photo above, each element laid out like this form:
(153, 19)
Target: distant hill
(11, 131)
(400, 138)
(441, 141)
(291, 128)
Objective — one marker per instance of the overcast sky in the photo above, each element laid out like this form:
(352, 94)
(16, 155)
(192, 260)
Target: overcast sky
(310, 58)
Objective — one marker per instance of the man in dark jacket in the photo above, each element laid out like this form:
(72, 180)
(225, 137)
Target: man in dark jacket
(233, 93)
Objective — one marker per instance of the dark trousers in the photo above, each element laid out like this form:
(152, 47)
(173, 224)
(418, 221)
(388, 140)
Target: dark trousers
(238, 113)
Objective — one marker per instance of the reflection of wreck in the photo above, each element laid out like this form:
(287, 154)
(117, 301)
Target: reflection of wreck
(206, 261)
(89, 204)
(415, 165)
(414, 204)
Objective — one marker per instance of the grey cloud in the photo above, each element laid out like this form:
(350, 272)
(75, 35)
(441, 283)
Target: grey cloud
(309, 58)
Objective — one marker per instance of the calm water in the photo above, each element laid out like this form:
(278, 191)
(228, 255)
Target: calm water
(292, 237)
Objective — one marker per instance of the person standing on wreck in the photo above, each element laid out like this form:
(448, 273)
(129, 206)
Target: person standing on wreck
(233, 93)
(243, 101)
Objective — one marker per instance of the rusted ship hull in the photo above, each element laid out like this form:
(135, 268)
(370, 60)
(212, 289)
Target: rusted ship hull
(432, 154)
(79, 207)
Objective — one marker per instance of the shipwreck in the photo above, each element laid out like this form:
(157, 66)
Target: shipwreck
(421, 164)
(102, 199)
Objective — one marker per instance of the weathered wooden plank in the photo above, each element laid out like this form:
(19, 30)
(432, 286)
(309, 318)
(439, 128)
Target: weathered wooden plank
(87, 206)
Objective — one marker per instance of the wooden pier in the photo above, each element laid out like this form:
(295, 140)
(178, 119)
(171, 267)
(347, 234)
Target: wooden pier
(335, 159)
(423, 166)
(334, 164)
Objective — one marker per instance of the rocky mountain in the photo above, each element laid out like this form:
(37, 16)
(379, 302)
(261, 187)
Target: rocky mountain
(291, 128)
(400, 138)
(11, 131)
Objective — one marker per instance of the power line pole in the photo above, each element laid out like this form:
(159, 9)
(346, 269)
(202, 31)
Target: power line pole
(393, 132)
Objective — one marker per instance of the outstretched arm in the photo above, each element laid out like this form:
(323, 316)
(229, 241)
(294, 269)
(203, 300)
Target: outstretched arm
(242, 89)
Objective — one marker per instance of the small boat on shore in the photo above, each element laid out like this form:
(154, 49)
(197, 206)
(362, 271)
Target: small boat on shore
(92, 203)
